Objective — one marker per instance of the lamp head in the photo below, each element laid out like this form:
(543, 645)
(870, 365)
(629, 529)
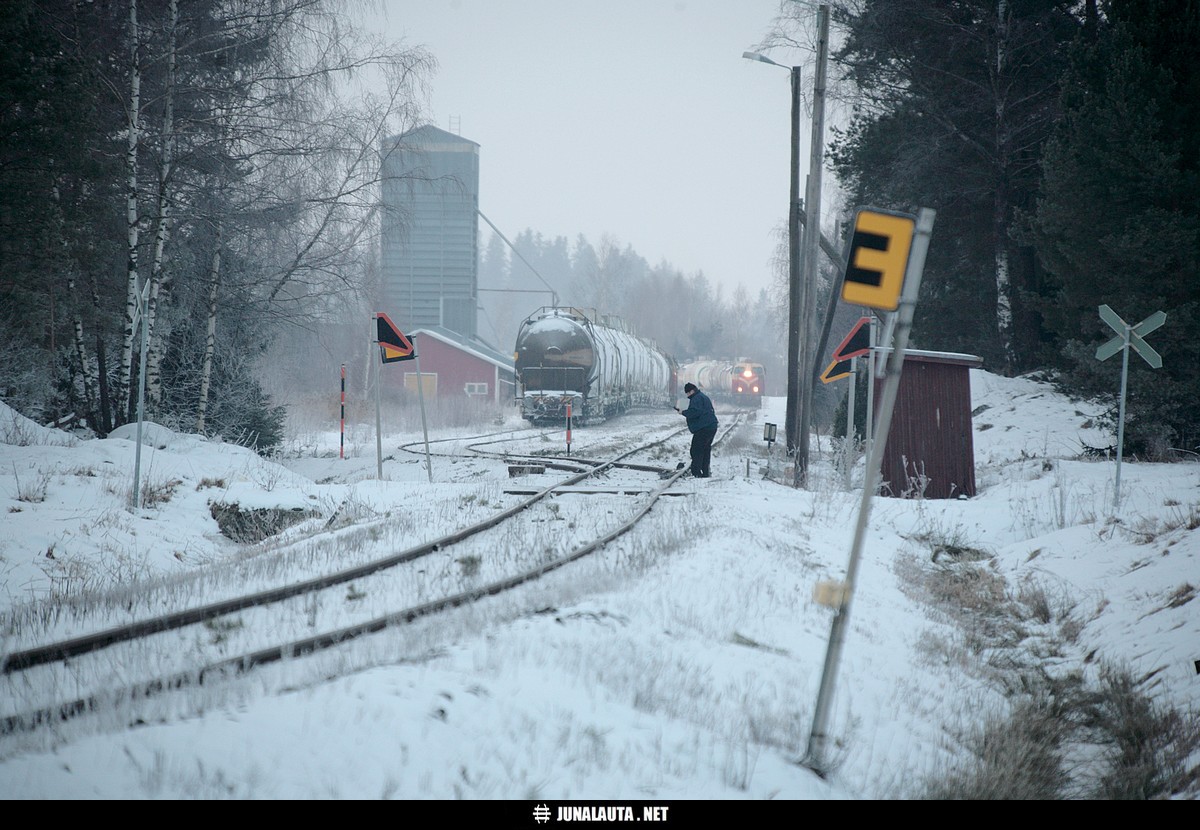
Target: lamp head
(755, 56)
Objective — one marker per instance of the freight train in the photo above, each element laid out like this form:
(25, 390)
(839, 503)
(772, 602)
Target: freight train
(741, 382)
(593, 363)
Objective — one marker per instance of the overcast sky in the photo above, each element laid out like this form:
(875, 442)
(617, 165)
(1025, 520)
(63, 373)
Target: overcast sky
(634, 118)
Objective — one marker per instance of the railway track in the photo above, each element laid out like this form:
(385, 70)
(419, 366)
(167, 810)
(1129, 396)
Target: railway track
(189, 646)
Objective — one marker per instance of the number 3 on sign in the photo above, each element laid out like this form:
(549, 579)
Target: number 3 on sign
(878, 259)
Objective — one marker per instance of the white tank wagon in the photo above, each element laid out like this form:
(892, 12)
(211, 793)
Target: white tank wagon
(741, 383)
(596, 365)
(712, 376)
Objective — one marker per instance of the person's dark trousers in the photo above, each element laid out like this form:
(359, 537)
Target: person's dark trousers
(702, 451)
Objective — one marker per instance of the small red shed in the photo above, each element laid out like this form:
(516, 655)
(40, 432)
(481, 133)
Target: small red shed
(930, 452)
(456, 366)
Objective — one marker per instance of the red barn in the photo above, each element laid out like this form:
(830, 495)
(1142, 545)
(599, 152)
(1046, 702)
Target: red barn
(456, 366)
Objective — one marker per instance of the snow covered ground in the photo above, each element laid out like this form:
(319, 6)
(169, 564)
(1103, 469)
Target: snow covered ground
(683, 662)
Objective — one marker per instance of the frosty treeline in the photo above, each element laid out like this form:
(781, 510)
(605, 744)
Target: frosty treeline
(206, 166)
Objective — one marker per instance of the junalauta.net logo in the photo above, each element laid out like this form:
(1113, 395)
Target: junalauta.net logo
(601, 812)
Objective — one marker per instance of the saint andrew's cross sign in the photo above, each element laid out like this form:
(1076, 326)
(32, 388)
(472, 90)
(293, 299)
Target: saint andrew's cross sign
(1136, 333)
(1127, 336)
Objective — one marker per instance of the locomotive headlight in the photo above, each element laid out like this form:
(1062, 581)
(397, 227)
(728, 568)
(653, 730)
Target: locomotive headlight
(746, 373)
(756, 389)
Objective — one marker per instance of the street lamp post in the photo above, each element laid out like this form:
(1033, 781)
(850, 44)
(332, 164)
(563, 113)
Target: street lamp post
(795, 313)
(802, 296)
(812, 240)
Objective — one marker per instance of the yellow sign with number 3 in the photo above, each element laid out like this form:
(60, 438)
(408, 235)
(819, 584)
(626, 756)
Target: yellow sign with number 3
(878, 259)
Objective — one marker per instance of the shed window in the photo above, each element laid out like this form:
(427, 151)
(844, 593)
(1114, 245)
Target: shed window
(477, 388)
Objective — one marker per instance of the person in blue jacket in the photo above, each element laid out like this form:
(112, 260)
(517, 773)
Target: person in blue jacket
(702, 421)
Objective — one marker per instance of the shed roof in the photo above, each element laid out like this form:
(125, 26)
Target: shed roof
(472, 346)
(955, 358)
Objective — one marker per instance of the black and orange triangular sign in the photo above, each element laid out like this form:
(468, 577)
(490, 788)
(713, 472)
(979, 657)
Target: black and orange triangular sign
(836, 370)
(857, 342)
(393, 345)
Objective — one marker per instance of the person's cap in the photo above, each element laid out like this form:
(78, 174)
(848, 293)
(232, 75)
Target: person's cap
(689, 387)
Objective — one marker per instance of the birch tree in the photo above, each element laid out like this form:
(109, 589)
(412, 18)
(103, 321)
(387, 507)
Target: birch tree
(298, 171)
(162, 213)
(132, 215)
